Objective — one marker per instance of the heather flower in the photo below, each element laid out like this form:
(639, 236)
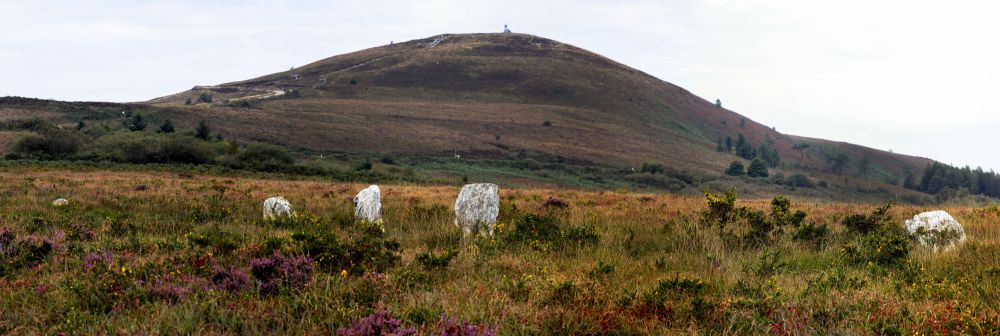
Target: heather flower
(93, 259)
(278, 271)
(229, 279)
(380, 322)
(455, 327)
(172, 288)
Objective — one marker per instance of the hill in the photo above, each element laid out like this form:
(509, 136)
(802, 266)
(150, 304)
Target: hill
(502, 96)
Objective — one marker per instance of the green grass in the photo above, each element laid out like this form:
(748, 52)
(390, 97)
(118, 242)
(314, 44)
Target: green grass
(609, 263)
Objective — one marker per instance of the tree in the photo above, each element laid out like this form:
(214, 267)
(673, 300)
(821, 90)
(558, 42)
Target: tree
(838, 163)
(910, 180)
(769, 155)
(718, 102)
(801, 147)
(202, 131)
(864, 166)
(205, 97)
(135, 122)
(744, 149)
(729, 144)
(735, 169)
(757, 168)
(718, 146)
(166, 127)
(187, 102)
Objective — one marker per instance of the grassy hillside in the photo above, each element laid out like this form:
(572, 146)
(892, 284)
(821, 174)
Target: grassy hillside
(151, 253)
(484, 94)
(513, 100)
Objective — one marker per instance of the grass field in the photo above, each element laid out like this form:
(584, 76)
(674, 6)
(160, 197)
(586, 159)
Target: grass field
(158, 253)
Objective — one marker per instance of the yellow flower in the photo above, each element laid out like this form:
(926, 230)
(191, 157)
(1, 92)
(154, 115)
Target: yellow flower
(343, 273)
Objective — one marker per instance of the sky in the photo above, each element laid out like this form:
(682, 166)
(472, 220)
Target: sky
(914, 77)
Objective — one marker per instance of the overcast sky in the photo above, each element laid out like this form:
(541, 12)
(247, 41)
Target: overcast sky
(916, 77)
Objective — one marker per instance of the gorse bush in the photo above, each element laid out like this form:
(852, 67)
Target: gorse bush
(761, 227)
(141, 147)
(547, 232)
(861, 223)
(431, 261)
(367, 253)
(47, 145)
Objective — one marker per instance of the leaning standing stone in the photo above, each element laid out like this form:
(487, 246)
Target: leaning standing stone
(368, 204)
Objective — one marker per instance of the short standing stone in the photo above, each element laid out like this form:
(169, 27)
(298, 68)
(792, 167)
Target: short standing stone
(60, 202)
(368, 204)
(477, 207)
(275, 207)
(936, 229)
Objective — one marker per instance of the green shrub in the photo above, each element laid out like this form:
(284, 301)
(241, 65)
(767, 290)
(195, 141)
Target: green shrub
(886, 247)
(799, 181)
(431, 261)
(215, 237)
(263, 157)
(602, 269)
(140, 147)
(721, 208)
(735, 169)
(47, 145)
(860, 223)
(547, 232)
(757, 168)
(817, 234)
(366, 253)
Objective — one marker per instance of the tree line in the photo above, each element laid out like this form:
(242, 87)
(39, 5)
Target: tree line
(940, 178)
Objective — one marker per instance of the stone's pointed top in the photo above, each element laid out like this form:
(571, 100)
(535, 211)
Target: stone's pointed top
(368, 204)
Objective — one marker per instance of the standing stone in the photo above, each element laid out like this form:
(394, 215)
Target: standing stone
(936, 229)
(477, 207)
(368, 204)
(276, 206)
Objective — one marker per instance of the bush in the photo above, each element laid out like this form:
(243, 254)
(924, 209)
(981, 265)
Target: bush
(885, 247)
(757, 168)
(860, 223)
(735, 169)
(652, 168)
(48, 145)
(367, 253)
(205, 97)
(818, 235)
(431, 261)
(547, 232)
(149, 148)
(263, 157)
(799, 181)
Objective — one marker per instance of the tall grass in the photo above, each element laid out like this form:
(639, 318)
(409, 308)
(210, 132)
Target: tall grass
(654, 268)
